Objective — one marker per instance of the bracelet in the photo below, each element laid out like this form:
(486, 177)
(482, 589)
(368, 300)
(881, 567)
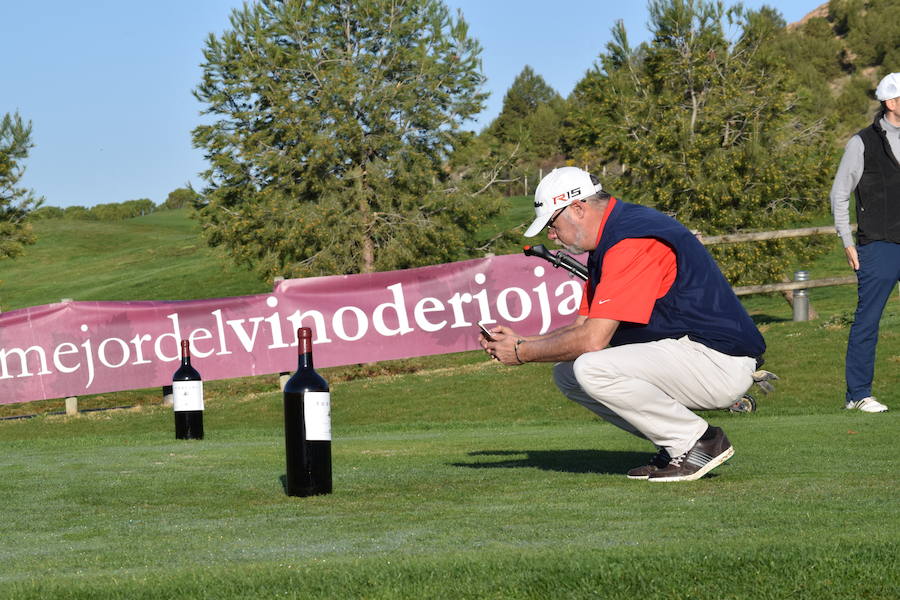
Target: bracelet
(516, 350)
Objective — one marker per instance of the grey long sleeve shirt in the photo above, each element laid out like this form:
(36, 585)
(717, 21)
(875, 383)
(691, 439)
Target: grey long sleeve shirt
(847, 178)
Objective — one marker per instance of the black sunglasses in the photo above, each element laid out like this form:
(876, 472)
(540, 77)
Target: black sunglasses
(556, 216)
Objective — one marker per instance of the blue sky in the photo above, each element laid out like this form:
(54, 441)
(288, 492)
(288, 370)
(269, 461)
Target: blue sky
(107, 83)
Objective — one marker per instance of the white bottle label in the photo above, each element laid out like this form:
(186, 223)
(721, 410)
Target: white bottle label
(317, 413)
(187, 395)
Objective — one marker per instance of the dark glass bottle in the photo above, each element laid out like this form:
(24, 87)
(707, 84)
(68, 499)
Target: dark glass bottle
(187, 396)
(307, 425)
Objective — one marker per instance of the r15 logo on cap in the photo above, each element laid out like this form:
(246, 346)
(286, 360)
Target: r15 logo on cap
(570, 194)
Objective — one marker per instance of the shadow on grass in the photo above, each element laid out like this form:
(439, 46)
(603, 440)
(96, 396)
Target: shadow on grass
(568, 461)
(762, 319)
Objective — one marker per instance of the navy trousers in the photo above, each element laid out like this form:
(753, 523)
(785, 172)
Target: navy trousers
(879, 272)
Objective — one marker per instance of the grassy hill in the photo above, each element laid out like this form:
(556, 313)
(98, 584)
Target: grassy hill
(156, 257)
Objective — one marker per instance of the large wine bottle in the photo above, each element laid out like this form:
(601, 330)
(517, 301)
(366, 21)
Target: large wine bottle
(187, 397)
(307, 425)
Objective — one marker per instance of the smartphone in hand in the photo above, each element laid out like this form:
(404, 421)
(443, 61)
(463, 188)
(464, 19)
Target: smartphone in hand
(486, 334)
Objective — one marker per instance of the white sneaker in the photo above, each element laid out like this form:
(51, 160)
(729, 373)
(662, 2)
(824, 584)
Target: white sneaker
(869, 404)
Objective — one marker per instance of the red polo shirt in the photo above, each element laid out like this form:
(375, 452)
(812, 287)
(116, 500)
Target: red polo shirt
(635, 272)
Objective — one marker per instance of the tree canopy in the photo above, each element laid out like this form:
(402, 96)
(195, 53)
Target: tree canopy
(333, 122)
(15, 202)
(182, 198)
(705, 127)
(527, 134)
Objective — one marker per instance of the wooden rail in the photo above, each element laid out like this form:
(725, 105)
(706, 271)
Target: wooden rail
(759, 236)
(745, 290)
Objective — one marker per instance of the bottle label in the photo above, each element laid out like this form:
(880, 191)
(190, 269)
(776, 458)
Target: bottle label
(317, 412)
(187, 395)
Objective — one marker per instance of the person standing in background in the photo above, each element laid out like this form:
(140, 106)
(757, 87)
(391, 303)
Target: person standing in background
(870, 168)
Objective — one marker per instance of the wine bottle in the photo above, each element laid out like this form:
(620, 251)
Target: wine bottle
(307, 425)
(187, 398)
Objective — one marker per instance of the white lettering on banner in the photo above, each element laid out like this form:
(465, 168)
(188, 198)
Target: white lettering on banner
(23, 361)
(543, 300)
(362, 323)
(89, 355)
(220, 327)
(391, 318)
(275, 323)
(195, 348)
(420, 310)
(402, 318)
(570, 303)
(248, 342)
(101, 353)
(459, 319)
(483, 304)
(176, 341)
(503, 305)
(296, 321)
(58, 363)
(138, 350)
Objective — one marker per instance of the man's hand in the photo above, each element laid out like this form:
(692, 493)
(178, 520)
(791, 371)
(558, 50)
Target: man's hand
(852, 257)
(504, 346)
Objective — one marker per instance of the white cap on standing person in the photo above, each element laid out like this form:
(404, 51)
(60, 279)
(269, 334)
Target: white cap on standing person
(561, 187)
(889, 87)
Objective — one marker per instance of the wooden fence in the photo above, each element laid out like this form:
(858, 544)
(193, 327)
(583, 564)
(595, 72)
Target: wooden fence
(789, 286)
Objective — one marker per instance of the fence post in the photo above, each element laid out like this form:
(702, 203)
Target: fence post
(801, 299)
(71, 401)
(168, 395)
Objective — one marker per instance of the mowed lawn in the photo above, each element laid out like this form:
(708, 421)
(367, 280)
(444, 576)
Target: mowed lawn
(455, 477)
(468, 481)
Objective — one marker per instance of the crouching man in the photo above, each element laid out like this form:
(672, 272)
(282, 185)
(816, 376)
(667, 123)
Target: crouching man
(660, 332)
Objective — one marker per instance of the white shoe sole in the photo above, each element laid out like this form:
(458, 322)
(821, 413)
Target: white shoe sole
(868, 408)
(703, 470)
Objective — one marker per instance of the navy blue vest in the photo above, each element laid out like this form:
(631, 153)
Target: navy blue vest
(700, 304)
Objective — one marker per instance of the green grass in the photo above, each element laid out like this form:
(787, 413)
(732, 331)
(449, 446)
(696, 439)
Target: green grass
(476, 481)
(458, 478)
(156, 257)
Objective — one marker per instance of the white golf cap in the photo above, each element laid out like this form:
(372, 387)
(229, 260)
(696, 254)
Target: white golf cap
(561, 187)
(889, 87)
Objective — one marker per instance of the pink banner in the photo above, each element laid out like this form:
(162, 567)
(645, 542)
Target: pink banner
(79, 348)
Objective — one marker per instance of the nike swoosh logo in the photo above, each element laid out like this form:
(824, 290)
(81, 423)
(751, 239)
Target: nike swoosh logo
(602, 301)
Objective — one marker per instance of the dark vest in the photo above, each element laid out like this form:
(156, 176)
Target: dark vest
(700, 304)
(878, 190)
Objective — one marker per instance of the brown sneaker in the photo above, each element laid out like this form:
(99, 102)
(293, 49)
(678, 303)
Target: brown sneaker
(702, 458)
(659, 460)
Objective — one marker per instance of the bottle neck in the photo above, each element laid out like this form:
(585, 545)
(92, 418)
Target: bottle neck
(304, 351)
(185, 355)
(305, 360)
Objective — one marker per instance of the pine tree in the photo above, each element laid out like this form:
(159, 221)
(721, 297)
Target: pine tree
(15, 202)
(333, 125)
(528, 128)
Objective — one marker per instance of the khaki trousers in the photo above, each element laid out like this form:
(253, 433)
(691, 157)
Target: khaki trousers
(650, 389)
